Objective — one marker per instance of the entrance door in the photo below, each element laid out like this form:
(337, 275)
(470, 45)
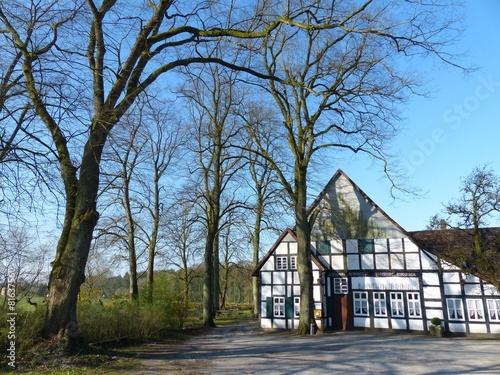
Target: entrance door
(339, 303)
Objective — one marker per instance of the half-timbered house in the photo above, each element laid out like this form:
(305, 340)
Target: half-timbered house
(372, 274)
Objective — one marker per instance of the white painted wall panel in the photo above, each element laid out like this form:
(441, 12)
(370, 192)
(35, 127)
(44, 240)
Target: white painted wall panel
(381, 323)
(410, 247)
(451, 277)
(430, 278)
(351, 246)
(428, 262)
(361, 322)
(397, 262)
(353, 262)
(279, 323)
(398, 324)
(457, 327)
(382, 261)
(435, 304)
(282, 248)
(296, 290)
(490, 290)
(269, 265)
(266, 291)
(413, 261)
(279, 290)
(452, 289)
(432, 292)
(266, 278)
(478, 328)
(296, 279)
(472, 289)
(338, 262)
(495, 328)
(396, 245)
(336, 247)
(416, 325)
(434, 314)
(380, 245)
(367, 262)
(279, 277)
(266, 323)
(471, 279)
(293, 247)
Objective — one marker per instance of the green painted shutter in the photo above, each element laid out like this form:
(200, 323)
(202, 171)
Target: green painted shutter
(269, 307)
(288, 307)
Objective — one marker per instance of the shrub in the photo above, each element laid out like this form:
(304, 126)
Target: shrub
(436, 321)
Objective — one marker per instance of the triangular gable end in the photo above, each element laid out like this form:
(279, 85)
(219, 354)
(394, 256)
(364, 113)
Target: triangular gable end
(345, 211)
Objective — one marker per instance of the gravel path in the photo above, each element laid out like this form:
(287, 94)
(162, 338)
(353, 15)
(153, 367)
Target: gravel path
(243, 349)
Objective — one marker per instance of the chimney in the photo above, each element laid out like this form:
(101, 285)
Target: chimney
(442, 224)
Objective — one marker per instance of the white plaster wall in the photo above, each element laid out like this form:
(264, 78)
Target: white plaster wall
(278, 290)
(296, 290)
(265, 323)
(279, 323)
(353, 262)
(452, 289)
(478, 328)
(266, 290)
(367, 262)
(431, 313)
(351, 246)
(266, 277)
(398, 324)
(432, 292)
(428, 262)
(361, 322)
(472, 289)
(435, 304)
(336, 247)
(451, 277)
(380, 245)
(490, 290)
(395, 245)
(382, 261)
(293, 247)
(269, 265)
(416, 325)
(413, 261)
(380, 323)
(457, 327)
(495, 328)
(471, 279)
(397, 262)
(296, 279)
(279, 277)
(337, 262)
(282, 248)
(410, 247)
(429, 278)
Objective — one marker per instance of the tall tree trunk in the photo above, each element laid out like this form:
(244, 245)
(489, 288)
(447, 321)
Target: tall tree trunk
(73, 247)
(304, 263)
(153, 241)
(217, 288)
(132, 256)
(208, 279)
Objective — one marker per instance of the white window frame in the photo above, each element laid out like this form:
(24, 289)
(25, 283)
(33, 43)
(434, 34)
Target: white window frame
(475, 310)
(360, 300)
(281, 263)
(379, 304)
(397, 305)
(414, 306)
(340, 285)
(493, 309)
(455, 307)
(279, 307)
(293, 262)
(296, 307)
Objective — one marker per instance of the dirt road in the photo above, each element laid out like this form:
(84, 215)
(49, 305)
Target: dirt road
(243, 349)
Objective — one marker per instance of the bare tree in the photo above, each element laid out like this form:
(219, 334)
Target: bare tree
(342, 84)
(125, 53)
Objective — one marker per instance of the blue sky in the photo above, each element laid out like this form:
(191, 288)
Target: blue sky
(449, 134)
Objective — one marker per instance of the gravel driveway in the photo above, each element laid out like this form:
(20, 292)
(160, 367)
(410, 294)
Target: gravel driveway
(243, 349)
